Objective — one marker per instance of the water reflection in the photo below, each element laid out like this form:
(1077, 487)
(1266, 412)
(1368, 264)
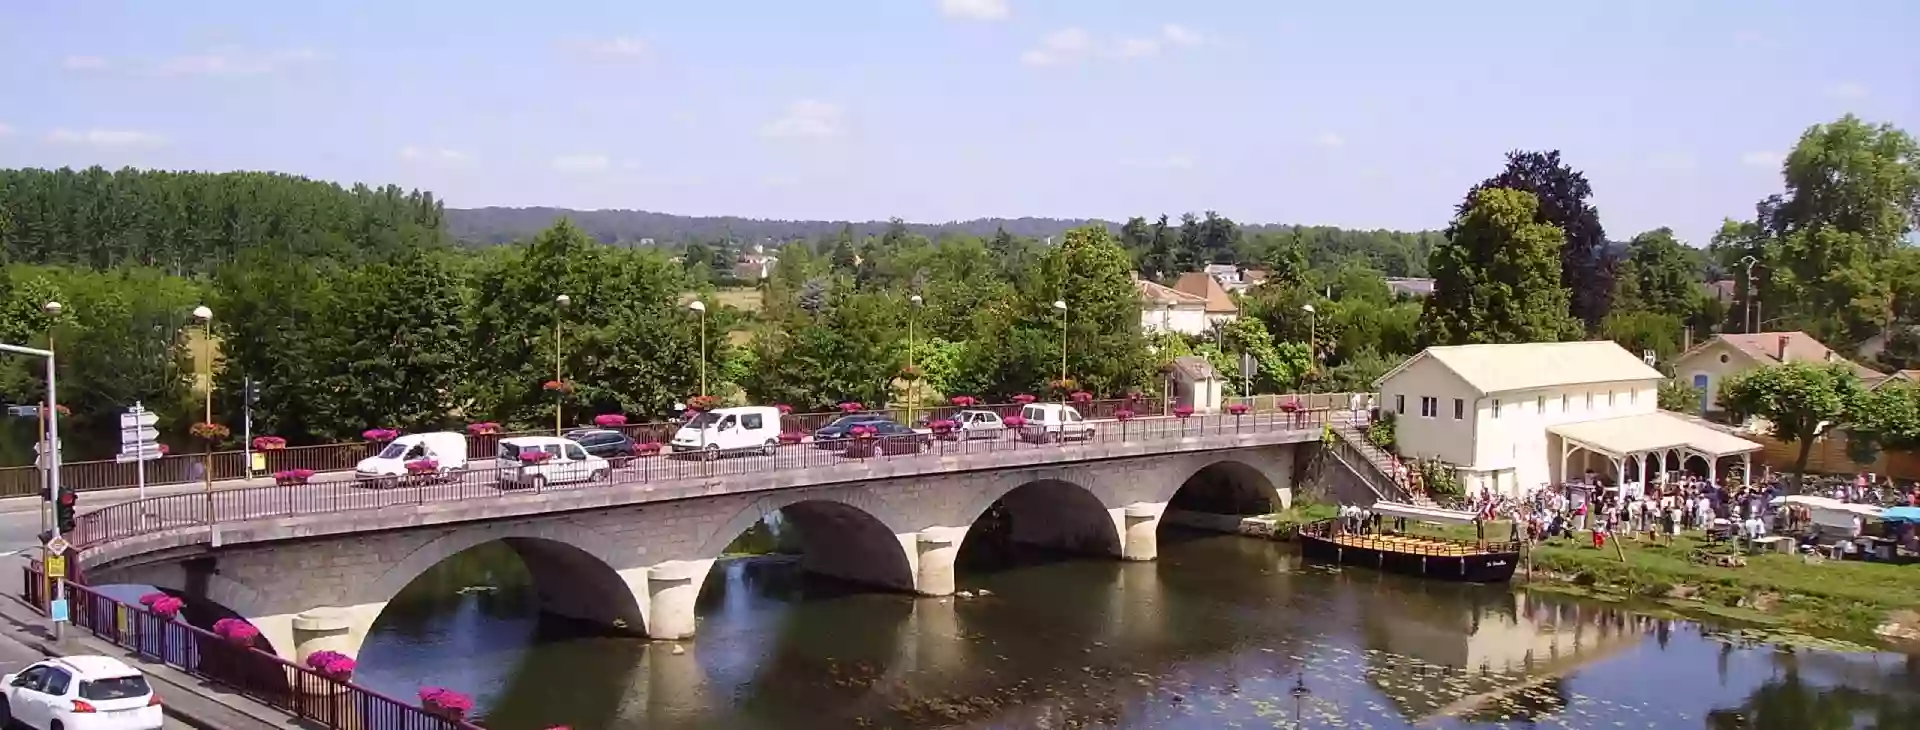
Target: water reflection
(1219, 632)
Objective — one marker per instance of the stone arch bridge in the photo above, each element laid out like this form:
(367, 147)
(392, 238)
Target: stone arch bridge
(634, 557)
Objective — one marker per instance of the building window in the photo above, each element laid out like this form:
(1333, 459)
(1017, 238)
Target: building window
(1400, 405)
(1459, 409)
(1496, 408)
(1429, 407)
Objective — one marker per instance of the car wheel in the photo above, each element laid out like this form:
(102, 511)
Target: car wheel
(923, 446)
(770, 447)
(597, 475)
(713, 452)
(1053, 437)
(1088, 436)
(6, 713)
(539, 482)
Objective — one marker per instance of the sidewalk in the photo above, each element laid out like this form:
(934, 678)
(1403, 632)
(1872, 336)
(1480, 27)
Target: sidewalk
(187, 700)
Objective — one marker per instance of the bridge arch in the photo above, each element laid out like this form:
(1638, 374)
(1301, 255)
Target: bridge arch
(1048, 512)
(849, 534)
(1229, 487)
(572, 567)
(207, 593)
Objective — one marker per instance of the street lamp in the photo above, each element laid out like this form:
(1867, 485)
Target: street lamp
(1313, 336)
(559, 376)
(52, 457)
(700, 307)
(204, 316)
(913, 379)
(48, 436)
(1752, 313)
(1061, 305)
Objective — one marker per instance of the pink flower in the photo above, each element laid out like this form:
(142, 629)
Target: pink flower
(1183, 411)
(332, 664)
(236, 631)
(1237, 408)
(151, 598)
(609, 420)
(792, 437)
(446, 700)
(268, 443)
(483, 428)
(1024, 398)
(943, 425)
(852, 407)
(964, 401)
(1014, 421)
(422, 466)
(534, 456)
(1123, 415)
(645, 448)
(863, 432)
(1081, 396)
(167, 606)
(783, 408)
(380, 435)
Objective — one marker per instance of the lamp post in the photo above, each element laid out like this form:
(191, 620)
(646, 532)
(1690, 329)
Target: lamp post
(1313, 344)
(559, 375)
(52, 414)
(1061, 305)
(700, 308)
(204, 316)
(1166, 380)
(1752, 307)
(913, 379)
(47, 436)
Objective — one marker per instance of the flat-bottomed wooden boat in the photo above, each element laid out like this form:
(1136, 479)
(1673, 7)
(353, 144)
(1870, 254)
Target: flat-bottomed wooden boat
(1421, 556)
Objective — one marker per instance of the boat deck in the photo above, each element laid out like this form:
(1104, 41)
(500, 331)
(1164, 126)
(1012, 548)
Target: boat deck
(1407, 545)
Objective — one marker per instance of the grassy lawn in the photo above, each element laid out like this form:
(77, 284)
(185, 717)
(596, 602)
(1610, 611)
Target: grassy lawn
(745, 299)
(1825, 597)
(1302, 512)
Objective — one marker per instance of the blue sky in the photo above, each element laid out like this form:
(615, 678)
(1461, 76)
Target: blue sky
(1359, 114)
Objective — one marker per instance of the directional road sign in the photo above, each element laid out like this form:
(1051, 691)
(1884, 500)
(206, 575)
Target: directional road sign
(138, 436)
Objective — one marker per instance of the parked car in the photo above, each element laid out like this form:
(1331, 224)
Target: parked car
(608, 444)
(566, 462)
(889, 437)
(80, 693)
(447, 450)
(834, 435)
(1053, 422)
(972, 424)
(729, 429)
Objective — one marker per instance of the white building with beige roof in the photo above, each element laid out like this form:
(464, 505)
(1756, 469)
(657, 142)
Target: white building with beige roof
(1515, 417)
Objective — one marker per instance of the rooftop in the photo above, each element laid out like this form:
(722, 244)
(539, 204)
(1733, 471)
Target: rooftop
(1208, 288)
(1533, 365)
(1152, 294)
(1773, 348)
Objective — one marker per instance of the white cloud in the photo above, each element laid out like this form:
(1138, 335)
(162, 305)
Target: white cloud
(620, 48)
(1330, 140)
(582, 163)
(1762, 159)
(86, 63)
(807, 119)
(1066, 45)
(436, 156)
(975, 9)
(1073, 45)
(1181, 35)
(1848, 90)
(105, 137)
(232, 61)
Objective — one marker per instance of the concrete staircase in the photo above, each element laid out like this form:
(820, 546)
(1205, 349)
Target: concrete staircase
(1369, 464)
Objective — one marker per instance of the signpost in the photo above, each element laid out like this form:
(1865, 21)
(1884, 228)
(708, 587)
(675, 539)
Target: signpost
(1248, 366)
(138, 442)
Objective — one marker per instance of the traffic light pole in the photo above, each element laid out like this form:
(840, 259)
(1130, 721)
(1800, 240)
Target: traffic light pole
(53, 456)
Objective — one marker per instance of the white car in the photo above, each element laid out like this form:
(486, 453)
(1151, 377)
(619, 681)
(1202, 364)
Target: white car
(566, 461)
(80, 693)
(973, 424)
(1054, 422)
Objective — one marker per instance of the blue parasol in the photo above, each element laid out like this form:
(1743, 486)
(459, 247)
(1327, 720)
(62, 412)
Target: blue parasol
(1901, 514)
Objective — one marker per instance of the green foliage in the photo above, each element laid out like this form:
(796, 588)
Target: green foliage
(397, 364)
(1889, 418)
(1380, 432)
(1561, 194)
(1800, 400)
(1498, 279)
(1680, 397)
(1640, 330)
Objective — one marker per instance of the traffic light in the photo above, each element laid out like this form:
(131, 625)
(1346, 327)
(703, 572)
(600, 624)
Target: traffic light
(63, 511)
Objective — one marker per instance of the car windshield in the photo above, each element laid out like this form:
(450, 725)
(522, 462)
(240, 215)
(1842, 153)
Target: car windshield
(853, 420)
(704, 420)
(394, 450)
(115, 688)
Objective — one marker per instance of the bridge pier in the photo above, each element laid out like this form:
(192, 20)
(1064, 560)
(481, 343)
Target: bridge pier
(324, 629)
(673, 587)
(938, 546)
(1139, 525)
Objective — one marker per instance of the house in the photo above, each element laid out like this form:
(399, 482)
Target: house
(1196, 384)
(1412, 287)
(1233, 278)
(1711, 363)
(1165, 309)
(1219, 307)
(1514, 417)
(1909, 377)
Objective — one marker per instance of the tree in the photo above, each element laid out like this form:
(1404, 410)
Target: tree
(1680, 397)
(1659, 274)
(1586, 264)
(1496, 280)
(1801, 401)
(398, 364)
(1890, 417)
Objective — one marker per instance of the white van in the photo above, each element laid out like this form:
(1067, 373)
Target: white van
(729, 429)
(567, 461)
(448, 450)
(1054, 422)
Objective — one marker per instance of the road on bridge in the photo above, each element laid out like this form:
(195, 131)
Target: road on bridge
(233, 505)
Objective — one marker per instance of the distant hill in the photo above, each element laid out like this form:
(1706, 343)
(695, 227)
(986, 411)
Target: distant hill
(502, 225)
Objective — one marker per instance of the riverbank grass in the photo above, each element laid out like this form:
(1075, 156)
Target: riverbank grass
(1301, 512)
(1827, 597)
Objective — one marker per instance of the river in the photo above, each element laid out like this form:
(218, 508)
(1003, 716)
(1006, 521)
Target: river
(1220, 632)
